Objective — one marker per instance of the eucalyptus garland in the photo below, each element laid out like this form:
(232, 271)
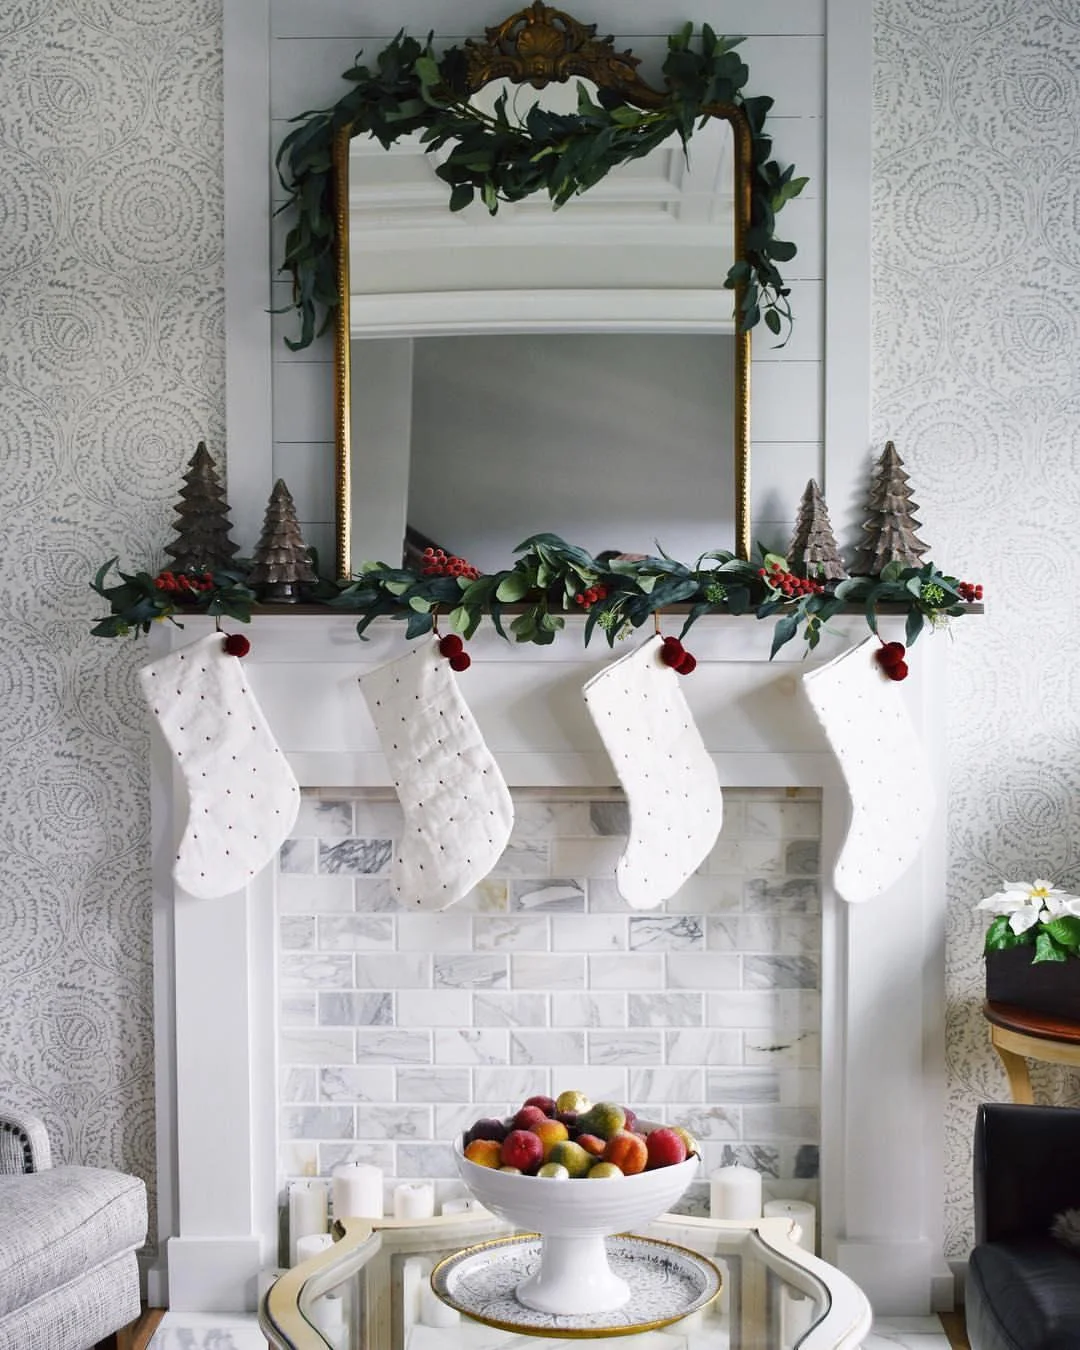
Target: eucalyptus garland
(410, 90)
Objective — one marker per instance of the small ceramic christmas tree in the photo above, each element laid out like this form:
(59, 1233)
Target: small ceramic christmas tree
(813, 551)
(281, 562)
(890, 531)
(202, 540)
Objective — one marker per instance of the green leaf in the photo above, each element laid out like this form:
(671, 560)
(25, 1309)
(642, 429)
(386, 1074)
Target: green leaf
(1046, 949)
(417, 625)
(892, 571)
(1000, 937)
(913, 627)
(513, 587)
(459, 619)
(1064, 930)
(419, 604)
(785, 630)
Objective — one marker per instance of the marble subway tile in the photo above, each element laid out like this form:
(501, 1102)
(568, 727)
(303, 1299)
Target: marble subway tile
(802, 858)
(433, 1007)
(588, 932)
(449, 931)
(298, 1158)
(660, 1086)
(315, 1047)
(317, 1122)
(630, 970)
(519, 932)
(736, 1087)
(498, 1009)
(707, 1122)
(471, 972)
(314, 895)
(601, 1082)
(793, 896)
(355, 857)
(393, 1045)
(782, 1048)
(743, 933)
(767, 856)
(780, 1122)
(374, 1152)
(511, 1086)
(375, 820)
(537, 820)
(356, 1083)
(547, 1047)
(471, 1045)
(625, 1047)
(665, 1010)
(375, 895)
(393, 1122)
(323, 816)
(695, 1045)
(734, 815)
(675, 932)
(356, 1010)
(725, 858)
(702, 970)
(296, 932)
(553, 895)
(396, 970)
(800, 1087)
(454, 1118)
(693, 1201)
(433, 1085)
(586, 857)
(490, 896)
(780, 972)
(760, 1157)
(315, 972)
(422, 1161)
(548, 972)
(602, 897)
(609, 817)
(527, 858)
(297, 1085)
(587, 1008)
(783, 820)
(297, 1010)
(749, 1009)
(805, 1161)
(355, 932)
(297, 856)
(702, 894)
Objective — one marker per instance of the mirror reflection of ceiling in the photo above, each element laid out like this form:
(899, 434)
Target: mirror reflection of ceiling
(646, 248)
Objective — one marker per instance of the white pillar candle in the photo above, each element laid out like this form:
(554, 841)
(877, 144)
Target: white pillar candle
(358, 1191)
(307, 1212)
(328, 1314)
(414, 1275)
(414, 1200)
(735, 1193)
(312, 1245)
(799, 1211)
(461, 1204)
(433, 1311)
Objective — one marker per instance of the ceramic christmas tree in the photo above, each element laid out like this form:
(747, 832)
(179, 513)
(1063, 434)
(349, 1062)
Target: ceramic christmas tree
(890, 531)
(202, 540)
(281, 563)
(813, 551)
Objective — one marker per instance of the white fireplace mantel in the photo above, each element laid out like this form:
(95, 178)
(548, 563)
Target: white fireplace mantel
(882, 963)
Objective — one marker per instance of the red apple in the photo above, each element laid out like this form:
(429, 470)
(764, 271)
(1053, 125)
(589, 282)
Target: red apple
(546, 1104)
(523, 1149)
(527, 1117)
(665, 1147)
(631, 1119)
(487, 1128)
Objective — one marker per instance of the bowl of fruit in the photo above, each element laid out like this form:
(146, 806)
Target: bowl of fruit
(529, 1168)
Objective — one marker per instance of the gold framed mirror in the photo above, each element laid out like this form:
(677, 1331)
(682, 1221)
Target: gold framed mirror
(544, 48)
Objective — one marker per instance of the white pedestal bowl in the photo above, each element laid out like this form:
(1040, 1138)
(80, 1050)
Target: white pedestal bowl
(573, 1217)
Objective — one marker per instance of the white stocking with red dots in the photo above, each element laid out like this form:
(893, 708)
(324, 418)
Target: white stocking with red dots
(243, 797)
(670, 780)
(458, 812)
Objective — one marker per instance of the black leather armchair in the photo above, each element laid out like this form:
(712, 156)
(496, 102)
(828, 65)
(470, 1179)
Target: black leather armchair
(1023, 1286)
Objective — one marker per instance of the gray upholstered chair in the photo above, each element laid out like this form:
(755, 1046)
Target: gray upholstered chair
(68, 1238)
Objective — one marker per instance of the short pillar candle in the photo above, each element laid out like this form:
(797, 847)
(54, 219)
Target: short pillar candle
(735, 1193)
(307, 1212)
(358, 1191)
(414, 1200)
(801, 1212)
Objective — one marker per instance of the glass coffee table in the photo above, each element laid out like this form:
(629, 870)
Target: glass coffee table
(372, 1290)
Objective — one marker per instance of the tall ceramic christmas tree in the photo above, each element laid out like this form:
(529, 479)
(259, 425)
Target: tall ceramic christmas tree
(890, 531)
(281, 564)
(202, 540)
(813, 550)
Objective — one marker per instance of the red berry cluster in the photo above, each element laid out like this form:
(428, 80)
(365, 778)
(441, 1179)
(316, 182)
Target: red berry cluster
(169, 581)
(673, 653)
(890, 657)
(440, 564)
(970, 591)
(586, 599)
(452, 646)
(775, 576)
(236, 644)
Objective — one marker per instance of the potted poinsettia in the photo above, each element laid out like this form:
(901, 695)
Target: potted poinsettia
(1032, 948)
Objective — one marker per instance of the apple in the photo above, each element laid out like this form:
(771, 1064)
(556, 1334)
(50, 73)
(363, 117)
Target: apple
(522, 1148)
(546, 1104)
(664, 1147)
(527, 1117)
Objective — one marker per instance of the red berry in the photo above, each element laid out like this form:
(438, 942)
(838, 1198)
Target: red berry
(429, 553)
(898, 672)
(450, 645)
(674, 644)
(462, 661)
(236, 644)
(670, 656)
(687, 664)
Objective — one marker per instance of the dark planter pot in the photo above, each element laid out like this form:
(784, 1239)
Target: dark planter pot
(1048, 987)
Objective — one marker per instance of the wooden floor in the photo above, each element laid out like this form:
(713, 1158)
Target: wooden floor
(954, 1328)
(138, 1335)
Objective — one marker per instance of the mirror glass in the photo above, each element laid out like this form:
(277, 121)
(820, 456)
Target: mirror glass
(573, 371)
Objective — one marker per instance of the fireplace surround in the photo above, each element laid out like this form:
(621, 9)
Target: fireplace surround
(882, 983)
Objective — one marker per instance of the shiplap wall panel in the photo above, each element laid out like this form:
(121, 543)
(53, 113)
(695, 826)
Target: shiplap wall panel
(311, 45)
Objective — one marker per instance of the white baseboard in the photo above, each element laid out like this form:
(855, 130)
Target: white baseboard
(213, 1274)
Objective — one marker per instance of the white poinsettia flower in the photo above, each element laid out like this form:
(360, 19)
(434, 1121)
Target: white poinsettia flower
(1029, 903)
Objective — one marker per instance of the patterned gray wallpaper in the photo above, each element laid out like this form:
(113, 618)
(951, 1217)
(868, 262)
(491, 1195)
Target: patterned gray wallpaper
(977, 378)
(111, 369)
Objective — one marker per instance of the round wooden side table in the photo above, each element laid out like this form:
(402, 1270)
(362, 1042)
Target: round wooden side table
(1018, 1035)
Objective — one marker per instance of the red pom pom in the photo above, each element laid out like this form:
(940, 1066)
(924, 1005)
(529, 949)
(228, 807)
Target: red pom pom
(687, 664)
(461, 661)
(236, 644)
(670, 656)
(890, 655)
(673, 644)
(450, 645)
(899, 671)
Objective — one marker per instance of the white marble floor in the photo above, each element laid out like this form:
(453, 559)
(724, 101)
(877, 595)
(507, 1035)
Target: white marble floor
(218, 1331)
